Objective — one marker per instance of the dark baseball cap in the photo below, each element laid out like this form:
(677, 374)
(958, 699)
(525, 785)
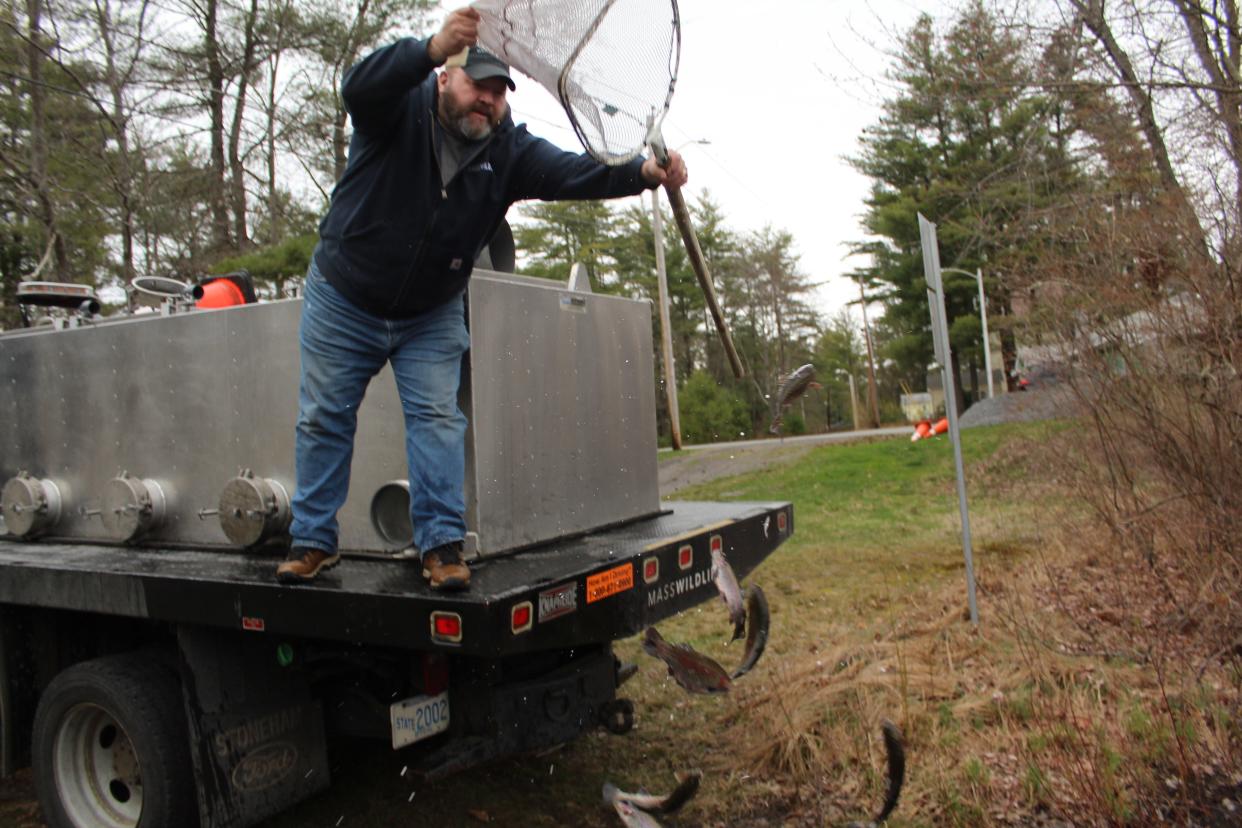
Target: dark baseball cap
(481, 64)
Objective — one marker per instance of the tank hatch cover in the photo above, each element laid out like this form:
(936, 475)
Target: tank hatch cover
(131, 507)
(29, 506)
(253, 509)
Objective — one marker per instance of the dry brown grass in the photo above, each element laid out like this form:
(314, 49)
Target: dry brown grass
(1101, 688)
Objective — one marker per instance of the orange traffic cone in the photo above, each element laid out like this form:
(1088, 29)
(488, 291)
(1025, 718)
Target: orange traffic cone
(221, 293)
(941, 426)
(922, 430)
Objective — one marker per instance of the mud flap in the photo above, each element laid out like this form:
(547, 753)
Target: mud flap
(257, 736)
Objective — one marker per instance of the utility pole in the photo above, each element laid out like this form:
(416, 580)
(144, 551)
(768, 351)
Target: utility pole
(872, 399)
(983, 318)
(666, 334)
(849, 375)
(987, 342)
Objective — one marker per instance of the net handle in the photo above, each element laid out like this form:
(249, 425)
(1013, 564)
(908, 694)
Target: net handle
(695, 254)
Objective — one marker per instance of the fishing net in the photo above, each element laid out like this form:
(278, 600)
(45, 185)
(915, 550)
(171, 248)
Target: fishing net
(611, 63)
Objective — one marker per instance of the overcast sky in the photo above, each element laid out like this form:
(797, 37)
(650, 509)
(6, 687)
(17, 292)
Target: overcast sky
(782, 90)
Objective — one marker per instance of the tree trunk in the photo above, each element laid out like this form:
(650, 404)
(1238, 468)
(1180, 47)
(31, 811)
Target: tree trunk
(237, 170)
(215, 105)
(123, 178)
(1221, 66)
(38, 141)
(340, 146)
(959, 393)
(1092, 12)
(276, 229)
(1009, 359)
(873, 399)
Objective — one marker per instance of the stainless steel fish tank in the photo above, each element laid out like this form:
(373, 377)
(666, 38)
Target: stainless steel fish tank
(178, 427)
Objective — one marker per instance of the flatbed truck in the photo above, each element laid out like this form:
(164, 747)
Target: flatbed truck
(154, 673)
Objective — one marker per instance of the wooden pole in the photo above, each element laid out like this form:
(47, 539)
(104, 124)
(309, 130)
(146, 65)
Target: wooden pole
(872, 398)
(666, 332)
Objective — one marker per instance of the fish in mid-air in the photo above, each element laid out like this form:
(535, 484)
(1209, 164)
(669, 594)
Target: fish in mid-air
(631, 815)
(896, 774)
(635, 809)
(695, 672)
(730, 591)
(794, 386)
(758, 619)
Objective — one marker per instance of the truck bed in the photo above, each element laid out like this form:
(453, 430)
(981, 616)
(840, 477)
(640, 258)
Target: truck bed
(596, 587)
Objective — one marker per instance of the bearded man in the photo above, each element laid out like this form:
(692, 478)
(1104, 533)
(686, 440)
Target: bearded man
(434, 163)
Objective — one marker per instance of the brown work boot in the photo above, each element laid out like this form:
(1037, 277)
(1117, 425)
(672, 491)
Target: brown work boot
(304, 563)
(444, 569)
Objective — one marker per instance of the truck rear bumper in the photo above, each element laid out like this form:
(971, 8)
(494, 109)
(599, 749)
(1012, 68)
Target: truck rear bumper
(598, 587)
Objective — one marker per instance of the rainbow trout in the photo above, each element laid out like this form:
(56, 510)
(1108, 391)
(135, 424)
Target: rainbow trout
(642, 805)
(695, 672)
(896, 774)
(631, 816)
(730, 592)
(794, 386)
(758, 619)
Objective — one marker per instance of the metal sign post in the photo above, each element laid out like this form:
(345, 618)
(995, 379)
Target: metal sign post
(940, 340)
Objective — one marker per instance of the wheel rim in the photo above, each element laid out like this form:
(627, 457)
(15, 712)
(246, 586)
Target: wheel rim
(96, 770)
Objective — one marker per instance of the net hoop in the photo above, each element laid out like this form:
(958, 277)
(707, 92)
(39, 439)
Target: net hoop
(533, 38)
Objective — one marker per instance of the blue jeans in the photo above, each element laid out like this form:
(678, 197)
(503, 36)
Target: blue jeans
(342, 349)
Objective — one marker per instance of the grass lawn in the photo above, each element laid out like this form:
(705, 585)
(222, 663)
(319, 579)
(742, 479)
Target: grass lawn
(877, 542)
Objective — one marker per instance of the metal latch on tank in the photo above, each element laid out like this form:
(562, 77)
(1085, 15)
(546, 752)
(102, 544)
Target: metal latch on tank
(29, 506)
(131, 507)
(252, 509)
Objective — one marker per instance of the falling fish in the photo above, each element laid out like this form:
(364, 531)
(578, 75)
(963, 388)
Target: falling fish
(730, 592)
(643, 805)
(896, 774)
(758, 619)
(794, 386)
(631, 816)
(695, 672)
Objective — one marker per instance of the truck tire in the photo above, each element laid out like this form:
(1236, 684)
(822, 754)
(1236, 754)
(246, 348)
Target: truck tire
(111, 747)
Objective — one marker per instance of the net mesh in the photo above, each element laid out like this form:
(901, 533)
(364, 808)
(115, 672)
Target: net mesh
(611, 63)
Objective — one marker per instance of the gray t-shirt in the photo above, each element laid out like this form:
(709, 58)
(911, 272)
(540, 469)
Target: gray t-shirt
(453, 149)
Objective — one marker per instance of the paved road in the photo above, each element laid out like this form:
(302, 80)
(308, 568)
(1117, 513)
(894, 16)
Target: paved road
(802, 439)
(700, 463)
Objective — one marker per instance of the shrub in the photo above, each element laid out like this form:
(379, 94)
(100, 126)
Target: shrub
(709, 413)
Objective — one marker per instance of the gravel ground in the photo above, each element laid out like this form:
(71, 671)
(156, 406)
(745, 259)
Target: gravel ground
(1044, 399)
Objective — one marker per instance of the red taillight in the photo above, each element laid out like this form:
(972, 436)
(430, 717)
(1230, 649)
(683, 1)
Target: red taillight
(781, 521)
(446, 627)
(717, 544)
(521, 617)
(651, 570)
(685, 557)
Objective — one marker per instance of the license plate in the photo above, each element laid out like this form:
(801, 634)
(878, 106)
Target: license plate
(418, 718)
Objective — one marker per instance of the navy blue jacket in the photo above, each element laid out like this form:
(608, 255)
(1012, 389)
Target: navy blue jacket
(395, 242)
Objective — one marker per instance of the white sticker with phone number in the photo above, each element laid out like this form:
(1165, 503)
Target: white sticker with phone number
(415, 719)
